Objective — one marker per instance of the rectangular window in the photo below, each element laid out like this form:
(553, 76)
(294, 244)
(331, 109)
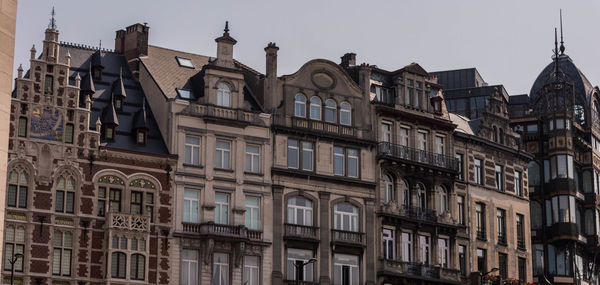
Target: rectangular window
(223, 153)
(345, 269)
(189, 267)
(480, 220)
(502, 260)
(499, 178)
(425, 249)
(462, 260)
(443, 252)
(192, 150)
(389, 244)
(184, 62)
(501, 226)
(136, 202)
(49, 85)
(22, 127)
(352, 163)
(478, 171)
(407, 247)
(114, 200)
(307, 156)
(460, 161)
(252, 212)
(190, 206)
(299, 211)
(292, 154)
(439, 144)
(253, 158)
(386, 132)
(295, 270)
(422, 141)
(518, 184)
(220, 274)
(65, 201)
(481, 260)
(538, 259)
(69, 133)
(221, 208)
(522, 267)
(404, 136)
(338, 161)
(14, 238)
(61, 260)
(520, 232)
(184, 93)
(101, 201)
(461, 209)
(251, 270)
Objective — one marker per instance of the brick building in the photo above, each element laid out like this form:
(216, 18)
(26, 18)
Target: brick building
(89, 197)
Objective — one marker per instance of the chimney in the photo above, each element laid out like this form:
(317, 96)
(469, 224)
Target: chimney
(270, 87)
(349, 59)
(132, 43)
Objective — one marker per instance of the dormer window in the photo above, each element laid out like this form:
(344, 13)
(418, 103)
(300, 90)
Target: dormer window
(184, 62)
(223, 95)
(184, 93)
(98, 73)
(119, 104)
(109, 133)
(141, 137)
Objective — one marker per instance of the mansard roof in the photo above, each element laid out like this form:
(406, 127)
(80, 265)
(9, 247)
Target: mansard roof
(87, 82)
(169, 76)
(113, 63)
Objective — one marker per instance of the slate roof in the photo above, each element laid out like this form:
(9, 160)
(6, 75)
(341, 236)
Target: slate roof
(518, 99)
(81, 58)
(164, 68)
(463, 124)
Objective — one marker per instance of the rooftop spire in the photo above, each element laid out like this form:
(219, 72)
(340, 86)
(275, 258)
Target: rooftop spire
(562, 43)
(555, 54)
(52, 24)
(226, 30)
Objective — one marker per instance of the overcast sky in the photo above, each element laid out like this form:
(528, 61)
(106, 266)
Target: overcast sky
(508, 41)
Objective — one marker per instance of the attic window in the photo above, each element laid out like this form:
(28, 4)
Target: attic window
(97, 73)
(184, 93)
(184, 62)
(141, 137)
(109, 134)
(119, 104)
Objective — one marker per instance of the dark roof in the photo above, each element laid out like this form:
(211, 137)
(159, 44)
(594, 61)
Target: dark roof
(459, 78)
(97, 59)
(567, 68)
(139, 121)
(118, 88)
(475, 92)
(109, 115)
(87, 82)
(415, 68)
(113, 63)
(518, 99)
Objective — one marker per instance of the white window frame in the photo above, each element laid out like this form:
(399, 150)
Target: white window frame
(300, 105)
(338, 154)
(224, 154)
(404, 136)
(307, 212)
(65, 254)
(354, 280)
(315, 108)
(443, 200)
(251, 272)
(353, 161)
(192, 149)
(330, 107)
(306, 149)
(478, 166)
(220, 270)
(499, 174)
(345, 114)
(194, 204)
(223, 95)
(222, 208)
(252, 158)
(339, 218)
(389, 244)
(386, 132)
(192, 267)
(444, 252)
(425, 249)
(305, 275)
(252, 214)
(440, 144)
(388, 188)
(407, 247)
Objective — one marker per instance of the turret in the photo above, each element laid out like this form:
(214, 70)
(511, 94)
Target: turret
(51, 45)
(225, 45)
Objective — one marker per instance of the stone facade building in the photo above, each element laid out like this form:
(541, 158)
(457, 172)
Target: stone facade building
(89, 197)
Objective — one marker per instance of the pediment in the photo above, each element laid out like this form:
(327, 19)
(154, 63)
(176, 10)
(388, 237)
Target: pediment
(323, 76)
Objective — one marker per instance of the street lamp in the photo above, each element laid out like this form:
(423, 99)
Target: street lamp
(300, 265)
(484, 274)
(12, 261)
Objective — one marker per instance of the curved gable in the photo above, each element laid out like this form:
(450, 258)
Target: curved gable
(325, 76)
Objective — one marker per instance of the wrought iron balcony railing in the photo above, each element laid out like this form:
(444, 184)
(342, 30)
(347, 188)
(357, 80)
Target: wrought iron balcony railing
(301, 231)
(396, 151)
(481, 235)
(419, 213)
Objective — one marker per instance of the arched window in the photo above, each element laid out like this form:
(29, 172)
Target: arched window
(315, 108)
(118, 265)
(405, 193)
(443, 200)
(65, 194)
(534, 173)
(300, 106)
(223, 95)
(330, 111)
(588, 217)
(345, 217)
(388, 185)
(300, 211)
(17, 188)
(536, 215)
(345, 114)
(138, 267)
(421, 196)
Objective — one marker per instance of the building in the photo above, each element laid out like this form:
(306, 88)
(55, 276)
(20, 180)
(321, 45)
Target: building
(492, 196)
(415, 227)
(89, 197)
(209, 112)
(559, 125)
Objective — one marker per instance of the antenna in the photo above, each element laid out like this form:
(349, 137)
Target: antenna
(100, 45)
(52, 24)
(562, 45)
(555, 53)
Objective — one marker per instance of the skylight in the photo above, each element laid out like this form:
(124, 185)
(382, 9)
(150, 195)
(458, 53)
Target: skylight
(184, 62)
(184, 93)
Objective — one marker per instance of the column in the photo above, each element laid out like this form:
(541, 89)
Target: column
(325, 233)
(277, 275)
(371, 232)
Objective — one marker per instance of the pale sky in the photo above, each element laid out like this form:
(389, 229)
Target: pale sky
(508, 41)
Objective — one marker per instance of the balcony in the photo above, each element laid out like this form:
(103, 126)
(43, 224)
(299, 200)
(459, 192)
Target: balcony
(419, 213)
(320, 126)
(348, 237)
(399, 152)
(223, 231)
(403, 268)
(129, 222)
(301, 232)
(481, 235)
(502, 240)
(215, 112)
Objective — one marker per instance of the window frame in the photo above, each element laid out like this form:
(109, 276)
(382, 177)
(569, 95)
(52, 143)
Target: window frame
(340, 215)
(253, 213)
(22, 127)
(300, 105)
(389, 244)
(222, 208)
(223, 268)
(331, 109)
(193, 148)
(194, 216)
(21, 185)
(223, 155)
(66, 193)
(499, 175)
(307, 212)
(345, 110)
(316, 113)
(478, 165)
(253, 158)
(224, 95)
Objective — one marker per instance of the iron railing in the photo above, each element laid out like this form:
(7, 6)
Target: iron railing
(387, 149)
